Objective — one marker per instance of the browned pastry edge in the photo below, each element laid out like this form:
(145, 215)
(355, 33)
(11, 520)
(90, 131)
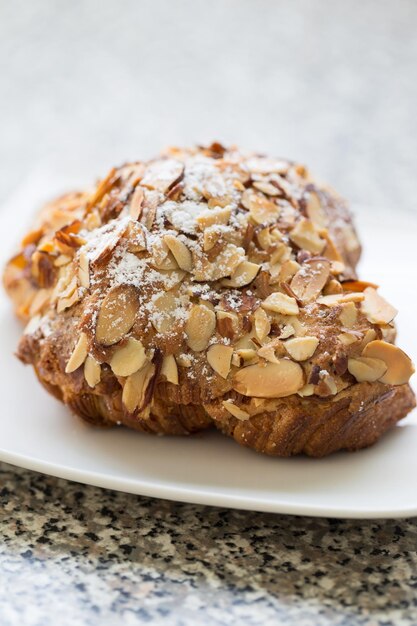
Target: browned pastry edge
(353, 419)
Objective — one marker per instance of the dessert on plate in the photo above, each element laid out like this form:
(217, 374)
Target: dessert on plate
(210, 286)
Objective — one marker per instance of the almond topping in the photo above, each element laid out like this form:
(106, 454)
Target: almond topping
(262, 324)
(117, 314)
(234, 410)
(92, 371)
(348, 315)
(227, 324)
(273, 380)
(83, 270)
(169, 369)
(366, 369)
(78, 355)
(310, 280)
(262, 210)
(315, 211)
(212, 217)
(268, 352)
(135, 387)
(280, 303)
(301, 348)
(161, 174)
(376, 309)
(164, 306)
(136, 202)
(129, 358)
(399, 365)
(223, 265)
(305, 236)
(219, 357)
(288, 270)
(347, 338)
(180, 251)
(200, 326)
(243, 274)
(339, 298)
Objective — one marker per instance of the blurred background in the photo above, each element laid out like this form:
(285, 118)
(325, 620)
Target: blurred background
(87, 84)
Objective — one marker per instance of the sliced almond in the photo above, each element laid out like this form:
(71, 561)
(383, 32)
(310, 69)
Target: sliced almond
(348, 315)
(92, 371)
(316, 212)
(79, 354)
(347, 338)
(227, 323)
(357, 285)
(33, 325)
(169, 369)
(62, 259)
(307, 390)
(225, 263)
(244, 274)
(164, 305)
(161, 174)
(219, 357)
(83, 270)
(40, 300)
(310, 280)
(67, 303)
(116, 314)
(306, 237)
(399, 366)
(135, 387)
(366, 369)
(200, 326)
(136, 202)
(213, 217)
(281, 303)
(269, 351)
(264, 238)
(262, 324)
(301, 348)
(234, 410)
(262, 210)
(376, 309)
(273, 380)
(288, 270)
(129, 358)
(180, 251)
(339, 298)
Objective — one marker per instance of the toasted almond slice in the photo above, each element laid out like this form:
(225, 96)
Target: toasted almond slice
(281, 303)
(310, 280)
(78, 355)
(366, 369)
(348, 315)
(306, 237)
(244, 274)
(219, 357)
(357, 285)
(62, 259)
(92, 371)
(66, 303)
(268, 352)
(288, 270)
(161, 174)
(399, 366)
(40, 300)
(262, 210)
(83, 270)
(224, 264)
(347, 338)
(213, 217)
(135, 387)
(370, 335)
(307, 390)
(116, 314)
(234, 410)
(200, 326)
(301, 348)
(180, 251)
(316, 212)
(339, 298)
(227, 323)
(261, 323)
(129, 358)
(273, 380)
(264, 238)
(169, 369)
(164, 305)
(136, 202)
(246, 354)
(376, 309)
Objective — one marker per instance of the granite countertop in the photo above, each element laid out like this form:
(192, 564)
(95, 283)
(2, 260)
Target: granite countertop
(87, 84)
(74, 554)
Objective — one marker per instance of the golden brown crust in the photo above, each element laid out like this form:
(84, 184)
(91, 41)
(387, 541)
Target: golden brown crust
(355, 418)
(210, 285)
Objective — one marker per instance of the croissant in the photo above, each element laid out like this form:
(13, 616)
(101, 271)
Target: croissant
(210, 286)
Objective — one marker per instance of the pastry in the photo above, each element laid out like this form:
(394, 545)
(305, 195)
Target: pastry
(211, 287)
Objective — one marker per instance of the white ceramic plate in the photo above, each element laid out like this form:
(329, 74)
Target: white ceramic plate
(38, 433)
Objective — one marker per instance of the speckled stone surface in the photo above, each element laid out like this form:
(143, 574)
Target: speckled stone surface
(72, 554)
